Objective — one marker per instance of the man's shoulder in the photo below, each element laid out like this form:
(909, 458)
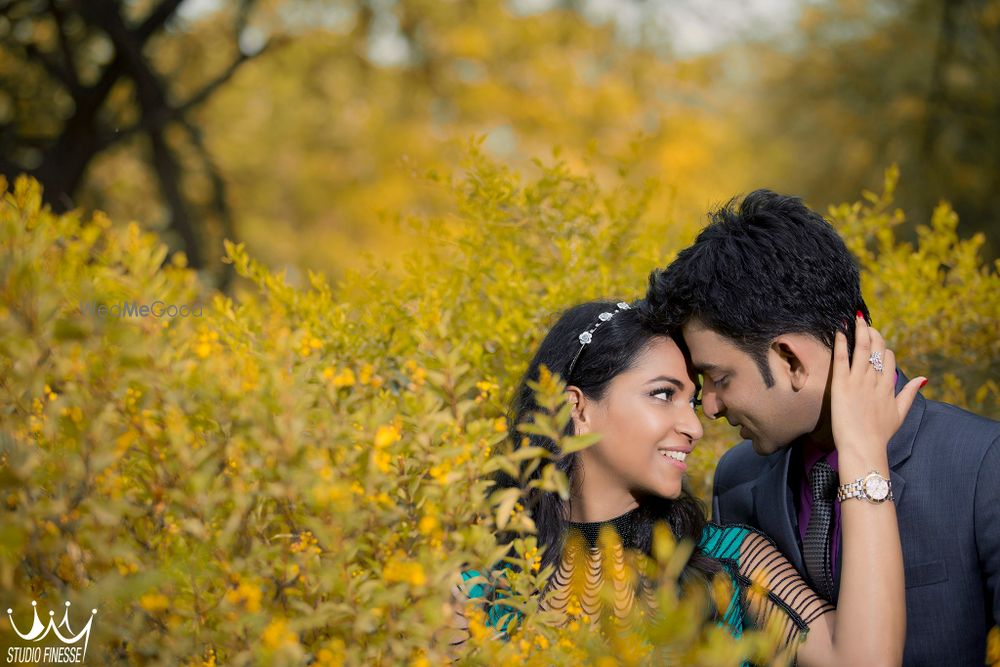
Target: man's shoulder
(944, 423)
(952, 416)
(740, 465)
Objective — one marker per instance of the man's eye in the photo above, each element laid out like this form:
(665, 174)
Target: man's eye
(722, 381)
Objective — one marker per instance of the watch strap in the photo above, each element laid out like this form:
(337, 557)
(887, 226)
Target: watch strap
(856, 489)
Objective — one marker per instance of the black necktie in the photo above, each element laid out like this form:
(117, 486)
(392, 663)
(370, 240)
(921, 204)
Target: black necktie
(823, 483)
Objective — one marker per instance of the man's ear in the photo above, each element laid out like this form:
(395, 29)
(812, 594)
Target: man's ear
(581, 410)
(793, 359)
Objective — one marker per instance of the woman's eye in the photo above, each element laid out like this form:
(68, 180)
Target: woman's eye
(666, 394)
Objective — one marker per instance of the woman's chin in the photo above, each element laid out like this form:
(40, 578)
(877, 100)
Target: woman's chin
(670, 491)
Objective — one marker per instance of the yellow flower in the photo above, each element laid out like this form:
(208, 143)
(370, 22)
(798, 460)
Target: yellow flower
(399, 570)
(386, 435)
(365, 374)
(247, 595)
(277, 634)
(477, 625)
(440, 472)
(154, 602)
(416, 373)
(428, 524)
(383, 461)
(344, 378)
(306, 542)
(331, 655)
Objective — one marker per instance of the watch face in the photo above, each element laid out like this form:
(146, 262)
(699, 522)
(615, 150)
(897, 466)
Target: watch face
(876, 487)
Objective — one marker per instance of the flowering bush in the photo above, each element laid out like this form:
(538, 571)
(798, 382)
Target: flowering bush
(294, 475)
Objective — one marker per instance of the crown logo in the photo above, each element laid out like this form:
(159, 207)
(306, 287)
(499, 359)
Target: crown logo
(39, 630)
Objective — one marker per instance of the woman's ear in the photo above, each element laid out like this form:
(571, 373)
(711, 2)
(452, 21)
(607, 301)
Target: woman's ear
(581, 410)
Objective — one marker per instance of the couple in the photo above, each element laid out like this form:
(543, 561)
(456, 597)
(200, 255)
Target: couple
(765, 307)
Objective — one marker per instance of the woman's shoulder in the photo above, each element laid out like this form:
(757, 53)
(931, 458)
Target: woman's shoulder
(726, 541)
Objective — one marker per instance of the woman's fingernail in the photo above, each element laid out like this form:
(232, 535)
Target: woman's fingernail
(860, 314)
(923, 382)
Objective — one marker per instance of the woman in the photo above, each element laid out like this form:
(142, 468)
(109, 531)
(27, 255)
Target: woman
(632, 385)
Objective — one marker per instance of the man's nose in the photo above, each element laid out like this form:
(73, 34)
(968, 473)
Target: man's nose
(710, 404)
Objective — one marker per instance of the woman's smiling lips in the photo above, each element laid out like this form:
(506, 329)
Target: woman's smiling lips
(675, 456)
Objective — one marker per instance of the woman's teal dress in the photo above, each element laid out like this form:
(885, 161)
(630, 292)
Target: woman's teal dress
(744, 555)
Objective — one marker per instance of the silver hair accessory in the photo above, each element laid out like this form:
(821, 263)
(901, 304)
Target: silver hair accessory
(876, 361)
(588, 335)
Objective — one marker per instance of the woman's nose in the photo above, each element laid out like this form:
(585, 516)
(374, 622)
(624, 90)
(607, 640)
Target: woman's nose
(690, 425)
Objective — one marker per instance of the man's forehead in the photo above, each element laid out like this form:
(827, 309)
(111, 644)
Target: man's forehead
(707, 348)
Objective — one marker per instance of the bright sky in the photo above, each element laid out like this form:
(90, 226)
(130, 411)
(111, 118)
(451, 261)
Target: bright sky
(692, 26)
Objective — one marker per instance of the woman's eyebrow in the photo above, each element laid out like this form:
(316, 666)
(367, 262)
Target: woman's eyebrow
(666, 378)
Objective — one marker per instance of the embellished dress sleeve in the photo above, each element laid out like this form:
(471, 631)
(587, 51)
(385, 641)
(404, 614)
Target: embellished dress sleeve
(498, 616)
(768, 589)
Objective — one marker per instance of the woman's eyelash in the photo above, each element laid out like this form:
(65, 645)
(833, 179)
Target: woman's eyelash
(669, 391)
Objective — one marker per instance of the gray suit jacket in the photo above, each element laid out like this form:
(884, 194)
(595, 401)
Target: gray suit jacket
(945, 471)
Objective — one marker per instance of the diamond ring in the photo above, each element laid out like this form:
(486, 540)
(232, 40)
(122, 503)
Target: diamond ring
(876, 361)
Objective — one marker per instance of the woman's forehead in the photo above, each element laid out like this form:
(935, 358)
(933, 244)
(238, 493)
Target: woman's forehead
(661, 356)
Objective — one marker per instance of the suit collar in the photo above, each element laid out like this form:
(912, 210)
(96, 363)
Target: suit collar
(774, 509)
(901, 444)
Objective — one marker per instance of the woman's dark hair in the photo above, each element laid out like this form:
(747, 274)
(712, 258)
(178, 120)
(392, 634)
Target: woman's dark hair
(614, 349)
(763, 267)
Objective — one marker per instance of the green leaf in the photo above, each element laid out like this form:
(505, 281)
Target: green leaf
(505, 501)
(576, 443)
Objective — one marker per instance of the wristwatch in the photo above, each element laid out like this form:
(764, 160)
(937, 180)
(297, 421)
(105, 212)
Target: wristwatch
(873, 487)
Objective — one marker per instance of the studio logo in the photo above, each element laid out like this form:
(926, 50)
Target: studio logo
(33, 653)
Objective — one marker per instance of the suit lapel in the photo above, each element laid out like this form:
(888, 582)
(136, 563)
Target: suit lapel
(901, 444)
(773, 508)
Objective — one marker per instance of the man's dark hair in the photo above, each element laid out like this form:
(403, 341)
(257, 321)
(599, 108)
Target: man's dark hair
(762, 267)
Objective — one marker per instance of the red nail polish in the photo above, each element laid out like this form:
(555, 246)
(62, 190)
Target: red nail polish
(924, 382)
(860, 314)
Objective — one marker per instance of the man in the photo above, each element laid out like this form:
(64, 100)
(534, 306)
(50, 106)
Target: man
(758, 298)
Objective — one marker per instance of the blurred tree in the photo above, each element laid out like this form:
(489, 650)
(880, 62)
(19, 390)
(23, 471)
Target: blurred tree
(315, 142)
(860, 85)
(378, 87)
(77, 77)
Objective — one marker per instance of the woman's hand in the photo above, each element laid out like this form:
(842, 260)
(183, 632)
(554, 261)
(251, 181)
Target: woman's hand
(865, 411)
(869, 626)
